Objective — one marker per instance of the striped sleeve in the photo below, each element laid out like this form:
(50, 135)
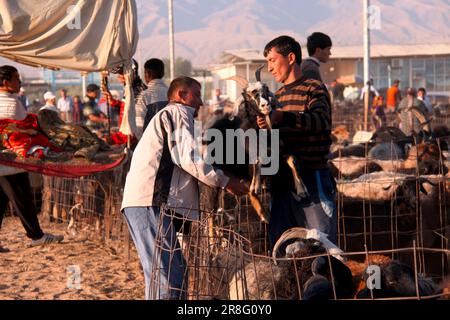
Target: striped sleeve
(317, 114)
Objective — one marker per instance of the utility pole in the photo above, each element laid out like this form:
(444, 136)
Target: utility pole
(171, 41)
(366, 30)
(84, 83)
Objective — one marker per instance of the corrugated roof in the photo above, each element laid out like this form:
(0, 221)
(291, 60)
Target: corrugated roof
(348, 52)
(380, 51)
(243, 55)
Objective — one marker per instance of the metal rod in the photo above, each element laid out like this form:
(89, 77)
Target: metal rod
(366, 32)
(171, 41)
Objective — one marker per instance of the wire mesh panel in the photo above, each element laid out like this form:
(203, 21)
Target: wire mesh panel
(217, 263)
(88, 205)
(194, 254)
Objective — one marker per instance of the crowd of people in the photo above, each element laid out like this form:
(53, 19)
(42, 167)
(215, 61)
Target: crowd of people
(164, 171)
(408, 110)
(71, 122)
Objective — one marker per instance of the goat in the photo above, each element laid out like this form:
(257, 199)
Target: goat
(300, 275)
(256, 101)
(262, 103)
(397, 280)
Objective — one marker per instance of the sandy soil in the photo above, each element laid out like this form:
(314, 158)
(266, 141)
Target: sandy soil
(47, 272)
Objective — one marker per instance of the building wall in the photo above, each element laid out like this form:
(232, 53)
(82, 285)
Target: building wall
(432, 72)
(232, 89)
(228, 88)
(334, 69)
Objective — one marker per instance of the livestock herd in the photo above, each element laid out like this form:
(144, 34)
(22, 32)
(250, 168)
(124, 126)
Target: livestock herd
(393, 213)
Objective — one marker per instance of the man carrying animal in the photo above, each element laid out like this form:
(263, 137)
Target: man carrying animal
(164, 172)
(304, 121)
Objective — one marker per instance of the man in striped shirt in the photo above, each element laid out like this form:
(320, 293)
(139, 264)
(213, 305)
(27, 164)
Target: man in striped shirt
(304, 121)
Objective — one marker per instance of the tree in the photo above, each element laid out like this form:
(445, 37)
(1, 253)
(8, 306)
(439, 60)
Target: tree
(183, 67)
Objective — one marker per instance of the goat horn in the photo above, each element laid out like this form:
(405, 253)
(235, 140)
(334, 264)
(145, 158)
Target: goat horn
(242, 81)
(425, 180)
(258, 72)
(302, 233)
(293, 233)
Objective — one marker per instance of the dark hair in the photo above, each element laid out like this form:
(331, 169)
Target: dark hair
(318, 40)
(181, 83)
(285, 45)
(155, 68)
(411, 92)
(6, 73)
(92, 88)
(422, 90)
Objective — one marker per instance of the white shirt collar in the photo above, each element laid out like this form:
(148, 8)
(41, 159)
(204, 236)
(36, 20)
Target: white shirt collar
(188, 108)
(48, 107)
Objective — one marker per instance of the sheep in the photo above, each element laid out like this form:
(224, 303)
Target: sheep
(445, 288)
(397, 280)
(353, 167)
(386, 143)
(381, 209)
(298, 276)
(340, 135)
(426, 155)
(369, 204)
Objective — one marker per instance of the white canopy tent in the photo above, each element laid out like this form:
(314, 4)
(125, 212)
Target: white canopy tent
(81, 35)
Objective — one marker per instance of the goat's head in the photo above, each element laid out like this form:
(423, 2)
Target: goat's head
(406, 194)
(257, 100)
(429, 158)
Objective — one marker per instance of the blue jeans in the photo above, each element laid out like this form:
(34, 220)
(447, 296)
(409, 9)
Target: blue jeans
(318, 211)
(159, 251)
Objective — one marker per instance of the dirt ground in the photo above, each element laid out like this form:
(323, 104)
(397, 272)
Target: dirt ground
(80, 268)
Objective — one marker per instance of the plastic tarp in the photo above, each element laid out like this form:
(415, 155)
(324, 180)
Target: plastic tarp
(82, 35)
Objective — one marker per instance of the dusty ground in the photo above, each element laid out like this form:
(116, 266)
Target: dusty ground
(44, 272)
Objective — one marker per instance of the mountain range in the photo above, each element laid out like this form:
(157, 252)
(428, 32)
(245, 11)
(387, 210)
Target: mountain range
(204, 28)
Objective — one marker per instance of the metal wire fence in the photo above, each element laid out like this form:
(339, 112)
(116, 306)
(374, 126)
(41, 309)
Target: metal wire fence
(399, 209)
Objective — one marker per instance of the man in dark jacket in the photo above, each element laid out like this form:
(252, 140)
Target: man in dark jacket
(319, 50)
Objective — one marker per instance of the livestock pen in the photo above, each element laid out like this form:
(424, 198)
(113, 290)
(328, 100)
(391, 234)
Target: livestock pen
(391, 213)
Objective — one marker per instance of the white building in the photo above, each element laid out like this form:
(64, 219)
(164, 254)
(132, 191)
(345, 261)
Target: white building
(418, 65)
(243, 63)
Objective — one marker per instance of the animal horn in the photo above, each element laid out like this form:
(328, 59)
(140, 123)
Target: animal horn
(425, 180)
(242, 81)
(293, 233)
(258, 72)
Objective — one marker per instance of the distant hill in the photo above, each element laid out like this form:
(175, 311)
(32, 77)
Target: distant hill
(205, 28)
